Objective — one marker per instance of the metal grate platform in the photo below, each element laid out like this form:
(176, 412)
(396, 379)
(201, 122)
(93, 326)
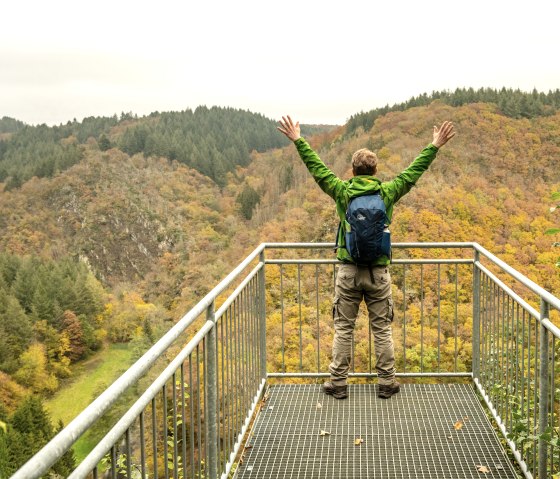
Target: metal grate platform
(411, 435)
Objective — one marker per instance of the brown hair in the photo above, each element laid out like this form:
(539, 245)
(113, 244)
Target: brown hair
(364, 162)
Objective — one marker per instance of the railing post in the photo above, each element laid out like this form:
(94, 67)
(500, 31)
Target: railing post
(212, 398)
(476, 317)
(544, 390)
(262, 316)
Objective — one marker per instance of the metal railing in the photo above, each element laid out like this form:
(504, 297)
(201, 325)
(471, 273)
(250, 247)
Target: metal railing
(467, 317)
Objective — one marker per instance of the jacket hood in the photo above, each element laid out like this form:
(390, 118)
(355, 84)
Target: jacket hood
(363, 184)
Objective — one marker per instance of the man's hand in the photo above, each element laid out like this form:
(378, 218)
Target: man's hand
(443, 134)
(289, 129)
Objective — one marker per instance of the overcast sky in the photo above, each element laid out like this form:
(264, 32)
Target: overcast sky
(321, 61)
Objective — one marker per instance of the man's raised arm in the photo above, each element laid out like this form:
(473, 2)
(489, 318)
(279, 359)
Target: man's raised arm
(324, 177)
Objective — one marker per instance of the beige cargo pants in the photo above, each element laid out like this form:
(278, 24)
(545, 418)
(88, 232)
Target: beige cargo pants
(354, 283)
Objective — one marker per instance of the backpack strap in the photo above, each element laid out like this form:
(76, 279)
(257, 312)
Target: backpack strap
(337, 235)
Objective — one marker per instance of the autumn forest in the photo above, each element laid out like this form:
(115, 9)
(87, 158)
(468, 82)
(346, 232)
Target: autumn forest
(112, 228)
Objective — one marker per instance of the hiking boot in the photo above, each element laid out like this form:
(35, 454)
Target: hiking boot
(337, 392)
(385, 391)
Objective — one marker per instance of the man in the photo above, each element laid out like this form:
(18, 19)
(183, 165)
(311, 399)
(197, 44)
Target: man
(371, 282)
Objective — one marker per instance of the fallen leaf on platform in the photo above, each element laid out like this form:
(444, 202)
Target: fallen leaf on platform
(324, 433)
(458, 425)
(358, 441)
(482, 469)
(319, 405)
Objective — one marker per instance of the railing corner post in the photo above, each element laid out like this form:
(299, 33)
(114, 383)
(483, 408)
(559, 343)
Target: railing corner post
(212, 426)
(544, 390)
(476, 317)
(262, 315)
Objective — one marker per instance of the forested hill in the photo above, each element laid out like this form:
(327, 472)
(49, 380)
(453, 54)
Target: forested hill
(511, 103)
(211, 140)
(144, 236)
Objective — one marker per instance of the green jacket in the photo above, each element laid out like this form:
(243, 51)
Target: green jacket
(341, 191)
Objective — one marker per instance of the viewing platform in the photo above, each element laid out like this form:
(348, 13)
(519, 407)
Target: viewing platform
(237, 388)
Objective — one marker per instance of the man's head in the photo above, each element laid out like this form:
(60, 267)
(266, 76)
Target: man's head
(364, 162)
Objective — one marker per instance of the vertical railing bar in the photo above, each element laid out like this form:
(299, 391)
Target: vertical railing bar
(369, 347)
(247, 349)
(524, 320)
(476, 317)
(241, 333)
(262, 317)
(456, 320)
(95, 473)
(514, 364)
(231, 373)
(553, 405)
(211, 394)
(421, 318)
(192, 424)
(512, 367)
(175, 446)
(183, 422)
(282, 314)
(404, 317)
(439, 317)
(497, 347)
(483, 321)
(164, 424)
(553, 399)
(495, 309)
(484, 315)
(257, 331)
(543, 391)
(241, 357)
(254, 332)
(352, 352)
(517, 360)
(114, 461)
(526, 404)
(251, 296)
(228, 385)
(222, 401)
(250, 345)
(142, 447)
(496, 325)
(536, 389)
(154, 437)
(204, 409)
(300, 319)
(503, 346)
(236, 368)
(128, 453)
(201, 454)
(318, 319)
(507, 365)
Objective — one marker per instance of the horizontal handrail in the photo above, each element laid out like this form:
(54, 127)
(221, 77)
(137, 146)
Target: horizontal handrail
(395, 261)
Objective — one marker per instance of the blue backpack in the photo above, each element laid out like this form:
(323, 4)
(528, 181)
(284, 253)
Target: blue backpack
(365, 229)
